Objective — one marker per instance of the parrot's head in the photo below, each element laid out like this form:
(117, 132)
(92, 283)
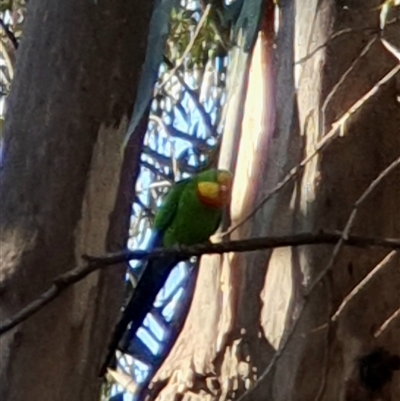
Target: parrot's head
(214, 188)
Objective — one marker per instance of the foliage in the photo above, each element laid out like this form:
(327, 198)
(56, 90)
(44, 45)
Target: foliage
(209, 43)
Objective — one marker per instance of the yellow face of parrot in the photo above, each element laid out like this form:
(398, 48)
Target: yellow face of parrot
(215, 192)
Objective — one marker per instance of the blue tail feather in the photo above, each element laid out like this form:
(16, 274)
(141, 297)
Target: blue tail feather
(151, 281)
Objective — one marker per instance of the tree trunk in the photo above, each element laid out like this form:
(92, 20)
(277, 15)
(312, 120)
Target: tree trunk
(245, 306)
(66, 189)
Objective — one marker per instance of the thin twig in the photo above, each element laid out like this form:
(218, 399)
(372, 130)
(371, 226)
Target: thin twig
(173, 132)
(387, 259)
(350, 222)
(328, 336)
(92, 264)
(335, 88)
(336, 35)
(195, 98)
(157, 172)
(387, 323)
(166, 161)
(165, 184)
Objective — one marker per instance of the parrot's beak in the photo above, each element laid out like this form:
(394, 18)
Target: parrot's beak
(224, 189)
(225, 193)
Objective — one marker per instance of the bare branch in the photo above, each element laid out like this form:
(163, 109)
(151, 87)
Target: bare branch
(195, 98)
(157, 172)
(92, 264)
(173, 132)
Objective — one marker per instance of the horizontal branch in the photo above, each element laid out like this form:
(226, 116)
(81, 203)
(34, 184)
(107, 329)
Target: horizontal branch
(92, 264)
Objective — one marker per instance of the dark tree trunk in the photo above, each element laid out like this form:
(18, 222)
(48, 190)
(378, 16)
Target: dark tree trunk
(66, 189)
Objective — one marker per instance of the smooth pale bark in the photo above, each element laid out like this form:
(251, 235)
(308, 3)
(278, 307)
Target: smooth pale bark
(245, 305)
(65, 189)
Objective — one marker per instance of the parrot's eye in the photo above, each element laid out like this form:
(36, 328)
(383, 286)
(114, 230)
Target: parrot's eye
(225, 179)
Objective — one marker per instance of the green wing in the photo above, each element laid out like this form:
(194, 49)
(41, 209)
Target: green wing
(169, 207)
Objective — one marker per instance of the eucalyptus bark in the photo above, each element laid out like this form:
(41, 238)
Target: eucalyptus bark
(245, 306)
(65, 189)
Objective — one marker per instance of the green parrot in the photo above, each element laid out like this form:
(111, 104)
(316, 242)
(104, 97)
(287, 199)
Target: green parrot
(190, 214)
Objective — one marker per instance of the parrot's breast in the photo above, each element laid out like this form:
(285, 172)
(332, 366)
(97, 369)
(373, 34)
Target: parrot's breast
(194, 222)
